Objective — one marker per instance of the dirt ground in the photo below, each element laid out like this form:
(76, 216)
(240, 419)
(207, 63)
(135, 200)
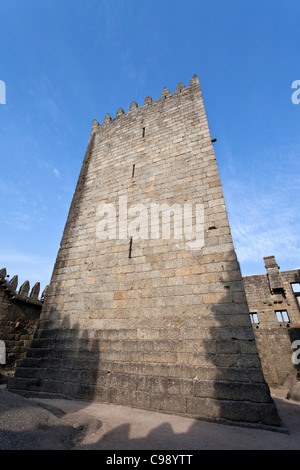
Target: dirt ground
(32, 424)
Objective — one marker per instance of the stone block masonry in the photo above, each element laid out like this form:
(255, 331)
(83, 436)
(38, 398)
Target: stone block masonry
(274, 305)
(19, 314)
(149, 322)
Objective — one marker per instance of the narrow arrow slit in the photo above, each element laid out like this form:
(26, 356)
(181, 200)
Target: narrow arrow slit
(130, 247)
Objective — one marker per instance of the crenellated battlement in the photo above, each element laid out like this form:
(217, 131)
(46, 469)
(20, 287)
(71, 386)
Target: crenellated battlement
(20, 310)
(148, 101)
(24, 293)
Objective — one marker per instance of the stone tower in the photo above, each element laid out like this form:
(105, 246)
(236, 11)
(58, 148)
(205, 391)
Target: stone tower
(138, 315)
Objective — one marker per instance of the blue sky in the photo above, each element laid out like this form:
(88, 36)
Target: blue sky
(67, 62)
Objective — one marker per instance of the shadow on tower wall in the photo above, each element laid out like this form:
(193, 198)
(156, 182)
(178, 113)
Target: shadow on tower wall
(61, 362)
(234, 389)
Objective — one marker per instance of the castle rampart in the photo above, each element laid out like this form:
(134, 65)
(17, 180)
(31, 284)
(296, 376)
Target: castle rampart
(274, 305)
(19, 314)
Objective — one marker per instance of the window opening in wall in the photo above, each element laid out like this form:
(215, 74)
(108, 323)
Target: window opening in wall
(144, 131)
(282, 316)
(296, 289)
(254, 318)
(133, 170)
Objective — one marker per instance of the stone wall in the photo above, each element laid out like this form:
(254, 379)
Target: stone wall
(149, 322)
(267, 294)
(19, 315)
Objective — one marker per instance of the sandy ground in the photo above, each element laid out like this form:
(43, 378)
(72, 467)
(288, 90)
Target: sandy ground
(73, 425)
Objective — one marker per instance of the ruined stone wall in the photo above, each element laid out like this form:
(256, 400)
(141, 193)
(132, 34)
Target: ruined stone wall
(266, 294)
(19, 315)
(149, 322)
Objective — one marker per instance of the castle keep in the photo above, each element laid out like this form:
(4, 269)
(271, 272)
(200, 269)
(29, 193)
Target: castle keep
(154, 321)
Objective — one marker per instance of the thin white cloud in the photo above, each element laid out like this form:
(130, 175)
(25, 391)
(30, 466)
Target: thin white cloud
(48, 102)
(263, 225)
(263, 208)
(56, 173)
